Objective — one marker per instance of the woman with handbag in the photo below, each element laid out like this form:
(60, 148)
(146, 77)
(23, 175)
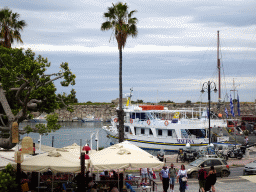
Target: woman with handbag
(182, 178)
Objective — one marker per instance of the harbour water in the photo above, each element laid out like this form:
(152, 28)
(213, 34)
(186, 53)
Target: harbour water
(72, 132)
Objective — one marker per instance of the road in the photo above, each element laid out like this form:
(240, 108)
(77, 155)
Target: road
(232, 183)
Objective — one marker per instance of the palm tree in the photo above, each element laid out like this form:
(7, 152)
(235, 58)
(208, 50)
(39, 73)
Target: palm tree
(10, 27)
(123, 25)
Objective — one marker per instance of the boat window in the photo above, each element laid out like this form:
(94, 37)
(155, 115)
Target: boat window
(160, 132)
(141, 116)
(169, 132)
(149, 116)
(126, 129)
(150, 132)
(135, 128)
(142, 131)
(199, 133)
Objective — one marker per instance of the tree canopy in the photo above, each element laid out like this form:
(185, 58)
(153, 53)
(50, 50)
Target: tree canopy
(10, 27)
(28, 87)
(121, 22)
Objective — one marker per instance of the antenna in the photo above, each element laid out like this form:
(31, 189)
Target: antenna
(218, 64)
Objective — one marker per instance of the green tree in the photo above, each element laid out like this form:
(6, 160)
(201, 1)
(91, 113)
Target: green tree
(8, 179)
(26, 87)
(123, 25)
(10, 27)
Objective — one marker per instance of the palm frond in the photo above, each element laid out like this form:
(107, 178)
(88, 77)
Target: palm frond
(131, 13)
(133, 20)
(106, 26)
(10, 26)
(121, 22)
(133, 31)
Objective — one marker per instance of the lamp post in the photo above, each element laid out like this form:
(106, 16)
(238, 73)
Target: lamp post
(208, 86)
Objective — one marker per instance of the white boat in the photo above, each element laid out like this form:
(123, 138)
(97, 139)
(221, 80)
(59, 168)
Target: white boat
(39, 119)
(91, 118)
(153, 127)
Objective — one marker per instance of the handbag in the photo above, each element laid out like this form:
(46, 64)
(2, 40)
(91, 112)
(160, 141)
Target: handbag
(184, 179)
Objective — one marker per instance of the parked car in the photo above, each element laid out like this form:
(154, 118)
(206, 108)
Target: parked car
(221, 166)
(250, 168)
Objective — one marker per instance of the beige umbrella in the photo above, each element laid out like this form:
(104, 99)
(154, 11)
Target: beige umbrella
(59, 160)
(124, 155)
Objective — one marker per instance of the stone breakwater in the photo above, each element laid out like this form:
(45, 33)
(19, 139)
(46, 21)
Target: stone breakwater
(106, 111)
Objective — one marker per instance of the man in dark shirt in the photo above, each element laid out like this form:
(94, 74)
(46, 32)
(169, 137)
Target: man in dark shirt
(202, 174)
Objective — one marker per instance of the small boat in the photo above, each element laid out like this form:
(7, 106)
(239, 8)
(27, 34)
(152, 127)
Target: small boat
(39, 119)
(91, 118)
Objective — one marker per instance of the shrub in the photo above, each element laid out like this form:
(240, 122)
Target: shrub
(7, 179)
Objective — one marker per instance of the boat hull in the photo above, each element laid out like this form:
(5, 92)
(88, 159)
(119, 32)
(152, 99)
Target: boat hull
(167, 144)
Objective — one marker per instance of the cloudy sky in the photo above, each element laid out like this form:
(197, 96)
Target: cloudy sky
(173, 55)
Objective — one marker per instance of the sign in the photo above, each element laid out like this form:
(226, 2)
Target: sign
(18, 157)
(27, 145)
(176, 115)
(184, 141)
(15, 132)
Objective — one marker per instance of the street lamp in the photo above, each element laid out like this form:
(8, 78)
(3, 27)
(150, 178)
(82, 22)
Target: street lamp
(208, 86)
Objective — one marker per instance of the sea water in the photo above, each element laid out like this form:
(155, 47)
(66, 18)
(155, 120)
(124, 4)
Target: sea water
(71, 132)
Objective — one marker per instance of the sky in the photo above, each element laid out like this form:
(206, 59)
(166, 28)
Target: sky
(172, 57)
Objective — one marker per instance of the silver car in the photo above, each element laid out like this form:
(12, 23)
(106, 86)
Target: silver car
(250, 168)
(220, 165)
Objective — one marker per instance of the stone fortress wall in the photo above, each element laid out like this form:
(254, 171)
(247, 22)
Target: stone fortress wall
(106, 111)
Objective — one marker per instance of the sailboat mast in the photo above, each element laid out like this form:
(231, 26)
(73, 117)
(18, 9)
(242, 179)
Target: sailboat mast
(218, 64)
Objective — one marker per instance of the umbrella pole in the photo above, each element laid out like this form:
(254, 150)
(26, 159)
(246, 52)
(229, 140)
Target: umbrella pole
(38, 181)
(118, 181)
(124, 180)
(52, 180)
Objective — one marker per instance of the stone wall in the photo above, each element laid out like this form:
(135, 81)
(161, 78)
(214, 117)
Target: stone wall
(106, 111)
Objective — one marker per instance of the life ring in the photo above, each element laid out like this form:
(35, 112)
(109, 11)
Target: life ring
(166, 123)
(148, 122)
(131, 121)
(115, 120)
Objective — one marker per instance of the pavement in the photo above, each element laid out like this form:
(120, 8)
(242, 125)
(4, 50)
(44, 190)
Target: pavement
(237, 184)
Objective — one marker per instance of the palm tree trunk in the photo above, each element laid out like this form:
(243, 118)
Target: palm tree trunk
(120, 111)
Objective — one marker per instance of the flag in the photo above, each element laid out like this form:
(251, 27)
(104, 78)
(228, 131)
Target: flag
(231, 107)
(226, 111)
(238, 105)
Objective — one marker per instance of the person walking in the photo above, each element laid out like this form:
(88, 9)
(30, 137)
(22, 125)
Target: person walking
(211, 178)
(202, 174)
(172, 176)
(144, 174)
(164, 177)
(182, 178)
(246, 140)
(150, 173)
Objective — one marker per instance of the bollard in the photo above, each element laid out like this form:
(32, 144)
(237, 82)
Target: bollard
(247, 153)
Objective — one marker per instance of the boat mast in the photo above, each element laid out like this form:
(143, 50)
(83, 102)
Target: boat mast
(218, 64)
